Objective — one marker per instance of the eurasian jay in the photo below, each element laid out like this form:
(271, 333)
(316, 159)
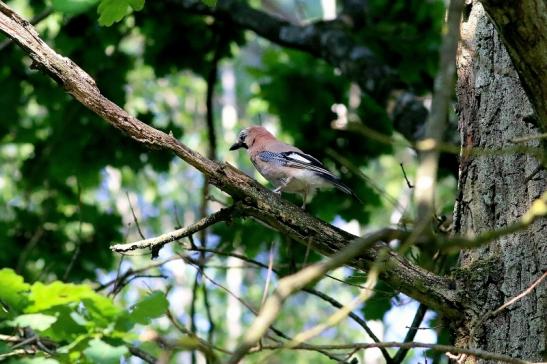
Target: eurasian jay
(286, 167)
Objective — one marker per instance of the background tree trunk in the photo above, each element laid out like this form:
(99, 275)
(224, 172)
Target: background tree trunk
(495, 191)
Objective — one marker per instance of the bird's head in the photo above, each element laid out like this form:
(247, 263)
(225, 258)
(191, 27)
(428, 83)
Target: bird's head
(248, 136)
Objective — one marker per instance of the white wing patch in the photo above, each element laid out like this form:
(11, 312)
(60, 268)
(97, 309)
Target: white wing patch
(300, 158)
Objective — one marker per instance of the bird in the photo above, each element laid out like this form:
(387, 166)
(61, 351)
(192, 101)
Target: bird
(288, 168)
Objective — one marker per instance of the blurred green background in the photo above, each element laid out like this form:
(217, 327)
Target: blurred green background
(71, 185)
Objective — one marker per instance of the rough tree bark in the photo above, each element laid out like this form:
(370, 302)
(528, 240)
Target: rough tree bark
(494, 191)
(522, 24)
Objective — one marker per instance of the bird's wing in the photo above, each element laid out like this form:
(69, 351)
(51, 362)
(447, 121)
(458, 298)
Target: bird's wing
(303, 158)
(296, 160)
(304, 161)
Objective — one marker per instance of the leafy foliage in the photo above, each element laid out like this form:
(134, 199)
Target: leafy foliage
(407, 35)
(70, 185)
(80, 320)
(111, 11)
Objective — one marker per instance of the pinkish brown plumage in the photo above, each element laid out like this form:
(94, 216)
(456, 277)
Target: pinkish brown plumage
(288, 168)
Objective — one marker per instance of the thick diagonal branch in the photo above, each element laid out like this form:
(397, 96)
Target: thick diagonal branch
(434, 291)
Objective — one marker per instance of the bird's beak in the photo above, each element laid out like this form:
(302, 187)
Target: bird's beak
(238, 145)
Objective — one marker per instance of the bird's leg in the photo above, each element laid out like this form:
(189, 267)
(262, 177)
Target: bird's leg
(284, 184)
(305, 198)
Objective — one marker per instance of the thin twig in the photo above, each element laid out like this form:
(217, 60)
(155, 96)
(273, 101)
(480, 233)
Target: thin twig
(295, 282)
(311, 291)
(273, 328)
(117, 280)
(134, 215)
(205, 347)
(139, 353)
(411, 345)
(208, 313)
(497, 311)
(16, 353)
(159, 241)
(405, 176)
(211, 154)
(268, 275)
(411, 334)
(130, 272)
(76, 253)
(247, 305)
(193, 311)
(10, 338)
(35, 239)
(339, 315)
(520, 295)
(424, 146)
(244, 303)
(529, 138)
(369, 181)
(353, 316)
(537, 210)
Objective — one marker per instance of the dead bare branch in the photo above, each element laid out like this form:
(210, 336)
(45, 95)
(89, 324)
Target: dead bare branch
(410, 345)
(154, 244)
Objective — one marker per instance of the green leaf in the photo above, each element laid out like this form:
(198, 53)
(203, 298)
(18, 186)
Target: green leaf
(66, 328)
(136, 4)
(45, 296)
(72, 7)
(37, 361)
(111, 11)
(4, 348)
(36, 321)
(100, 352)
(75, 343)
(12, 290)
(376, 307)
(149, 308)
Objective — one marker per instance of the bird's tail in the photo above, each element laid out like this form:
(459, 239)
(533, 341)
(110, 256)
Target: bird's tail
(341, 186)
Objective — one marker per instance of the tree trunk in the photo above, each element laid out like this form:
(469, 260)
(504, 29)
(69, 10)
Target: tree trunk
(495, 191)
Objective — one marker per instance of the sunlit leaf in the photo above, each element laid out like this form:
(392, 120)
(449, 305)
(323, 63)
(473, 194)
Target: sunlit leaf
(111, 11)
(45, 296)
(13, 290)
(37, 361)
(152, 306)
(36, 321)
(100, 352)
